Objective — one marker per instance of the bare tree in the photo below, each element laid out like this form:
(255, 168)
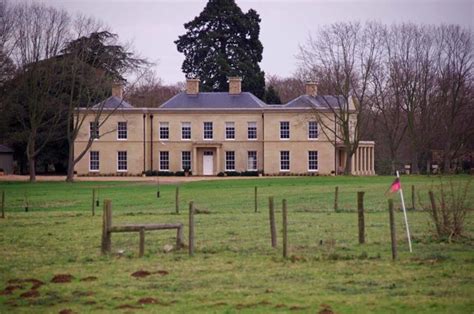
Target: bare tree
(342, 56)
(454, 62)
(288, 88)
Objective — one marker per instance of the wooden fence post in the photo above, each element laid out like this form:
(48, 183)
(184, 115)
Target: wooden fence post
(393, 233)
(179, 238)
(191, 228)
(285, 230)
(93, 202)
(435, 213)
(413, 197)
(177, 199)
(336, 198)
(3, 204)
(272, 222)
(27, 205)
(142, 242)
(360, 210)
(106, 225)
(256, 199)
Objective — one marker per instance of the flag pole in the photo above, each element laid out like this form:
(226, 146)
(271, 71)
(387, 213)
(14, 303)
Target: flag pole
(405, 213)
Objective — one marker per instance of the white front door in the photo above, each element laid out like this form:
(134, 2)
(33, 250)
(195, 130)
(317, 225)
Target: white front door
(207, 163)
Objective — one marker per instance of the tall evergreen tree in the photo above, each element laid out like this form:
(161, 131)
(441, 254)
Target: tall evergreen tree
(222, 42)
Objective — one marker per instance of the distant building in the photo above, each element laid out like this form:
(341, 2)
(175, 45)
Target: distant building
(216, 132)
(6, 159)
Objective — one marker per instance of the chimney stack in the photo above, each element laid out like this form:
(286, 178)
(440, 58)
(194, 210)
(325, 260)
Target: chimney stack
(192, 86)
(311, 88)
(117, 90)
(235, 85)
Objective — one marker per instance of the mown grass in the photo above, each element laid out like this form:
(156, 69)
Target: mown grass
(234, 268)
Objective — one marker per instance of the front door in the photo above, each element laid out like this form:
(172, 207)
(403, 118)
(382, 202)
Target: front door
(208, 163)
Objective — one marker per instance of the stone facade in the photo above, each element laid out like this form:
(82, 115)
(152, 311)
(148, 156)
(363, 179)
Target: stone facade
(209, 141)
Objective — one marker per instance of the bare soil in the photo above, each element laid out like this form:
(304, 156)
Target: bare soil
(62, 278)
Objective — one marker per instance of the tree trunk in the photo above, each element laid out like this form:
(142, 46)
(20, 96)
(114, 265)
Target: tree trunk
(348, 166)
(31, 158)
(32, 168)
(70, 164)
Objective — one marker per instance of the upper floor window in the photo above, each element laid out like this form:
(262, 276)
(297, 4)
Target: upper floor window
(94, 130)
(313, 160)
(122, 130)
(284, 129)
(229, 130)
(164, 161)
(230, 161)
(284, 160)
(122, 161)
(186, 130)
(208, 133)
(312, 130)
(252, 130)
(93, 160)
(252, 160)
(164, 131)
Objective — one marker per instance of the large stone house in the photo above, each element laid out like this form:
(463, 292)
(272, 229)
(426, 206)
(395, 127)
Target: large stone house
(217, 132)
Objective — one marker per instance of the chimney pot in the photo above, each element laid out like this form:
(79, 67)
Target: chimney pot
(117, 90)
(311, 88)
(192, 86)
(235, 85)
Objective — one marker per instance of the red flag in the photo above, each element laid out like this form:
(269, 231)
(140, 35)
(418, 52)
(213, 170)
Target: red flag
(396, 185)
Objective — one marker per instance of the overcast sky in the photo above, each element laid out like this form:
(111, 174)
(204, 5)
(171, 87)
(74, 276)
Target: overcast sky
(153, 25)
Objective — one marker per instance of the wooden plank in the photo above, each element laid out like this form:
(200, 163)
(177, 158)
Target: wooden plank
(285, 230)
(336, 199)
(272, 221)
(147, 227)
(106, 226)
(361, 220)
(191, 228)
(179, 237)
(393, 234)
(142, 243)
(177, 199)
(3, 204)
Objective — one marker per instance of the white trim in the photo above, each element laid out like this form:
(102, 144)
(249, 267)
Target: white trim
(204, 131)
(289, 161)
(94, 170)
(225, 160)
(126, 170)
(126, 131)
(317, 131)
(317, 161)
(190, 159)
(289, 131)
(256, 160)
(159, 161)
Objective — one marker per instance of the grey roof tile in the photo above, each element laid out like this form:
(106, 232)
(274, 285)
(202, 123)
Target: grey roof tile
(215, 100)
(113, 102)
(306, 101)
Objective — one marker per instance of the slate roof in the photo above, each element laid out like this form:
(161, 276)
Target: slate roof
(5, 149)
(215, 100)
(306, 101)
(114, 102)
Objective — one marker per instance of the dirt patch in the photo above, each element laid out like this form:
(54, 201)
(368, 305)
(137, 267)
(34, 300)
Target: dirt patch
(220, 304)
(128, 306)
(90, 302)
(35, 282)
(325, 309)
(30, 294)
(162, 272)
(89, 278)
(62, 278)
(280, 306)
(297, 308)
(147, 301)
(141, 274)
(9, 289)
(66, 311)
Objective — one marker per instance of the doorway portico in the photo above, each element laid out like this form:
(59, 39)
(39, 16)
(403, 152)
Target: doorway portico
(206, 159)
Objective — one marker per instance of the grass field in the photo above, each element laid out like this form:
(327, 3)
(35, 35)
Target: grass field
(234, 268)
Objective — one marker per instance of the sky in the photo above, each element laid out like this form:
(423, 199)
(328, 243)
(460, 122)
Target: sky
(152, 26)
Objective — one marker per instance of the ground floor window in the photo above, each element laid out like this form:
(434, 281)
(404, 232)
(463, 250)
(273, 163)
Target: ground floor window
(122, 161)
(94, 161)
(164, 161)
(313, 160)
(252, 160)
(229, 161)
(186, 160)
(284, 160)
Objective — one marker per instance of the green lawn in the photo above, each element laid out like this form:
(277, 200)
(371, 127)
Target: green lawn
(234, 268)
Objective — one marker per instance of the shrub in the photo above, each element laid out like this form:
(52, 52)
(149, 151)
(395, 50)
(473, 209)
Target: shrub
(449, 208)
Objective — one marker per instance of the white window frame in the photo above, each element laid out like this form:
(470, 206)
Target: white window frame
(204, 130)
(183, 126)
(255, 162)
(227, 160)
(281, 160)
(252, 124)
(230, 127)
(118, 161)
(190, 160)
(282, 130)
(97, 130)
(164, 126)
(309, 130)
(309, 161)
(162, 153)
(122, 130)
(90, 161)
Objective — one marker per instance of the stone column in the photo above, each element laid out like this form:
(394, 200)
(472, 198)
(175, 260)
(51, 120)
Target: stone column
(218, 160)
(194, 158)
